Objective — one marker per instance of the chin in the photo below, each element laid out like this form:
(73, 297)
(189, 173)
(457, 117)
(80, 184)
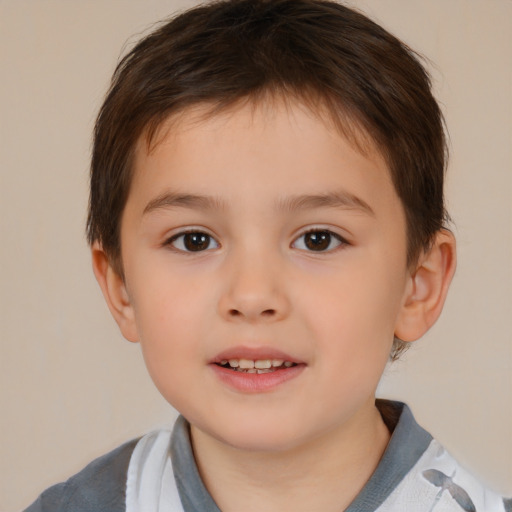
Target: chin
(258, 436)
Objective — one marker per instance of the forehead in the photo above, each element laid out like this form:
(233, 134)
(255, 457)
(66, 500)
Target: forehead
(271, 148)
(250, 111)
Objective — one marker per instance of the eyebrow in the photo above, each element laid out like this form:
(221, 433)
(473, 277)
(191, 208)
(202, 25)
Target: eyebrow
(193, 201)
(340, 199)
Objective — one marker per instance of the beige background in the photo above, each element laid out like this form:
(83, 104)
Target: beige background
(71, 388)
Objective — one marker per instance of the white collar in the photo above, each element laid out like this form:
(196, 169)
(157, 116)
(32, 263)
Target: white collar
(151, 486)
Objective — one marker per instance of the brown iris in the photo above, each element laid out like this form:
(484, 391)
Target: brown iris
(196, 241)
(317, 240)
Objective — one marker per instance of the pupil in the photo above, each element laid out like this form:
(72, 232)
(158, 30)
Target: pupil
(318, 241)
(196, 241)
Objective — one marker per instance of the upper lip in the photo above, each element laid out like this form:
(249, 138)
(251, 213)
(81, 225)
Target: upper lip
(253, 354)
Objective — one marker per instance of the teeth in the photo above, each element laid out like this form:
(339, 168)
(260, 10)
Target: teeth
(255, 370)
(262, 365)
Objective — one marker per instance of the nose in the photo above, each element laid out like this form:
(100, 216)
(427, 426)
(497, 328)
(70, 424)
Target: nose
(254, 290)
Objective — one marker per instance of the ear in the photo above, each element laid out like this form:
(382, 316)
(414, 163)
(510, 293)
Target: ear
(427, 288)
(114, 290)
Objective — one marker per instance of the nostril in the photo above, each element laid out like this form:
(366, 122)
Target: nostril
(265, 313)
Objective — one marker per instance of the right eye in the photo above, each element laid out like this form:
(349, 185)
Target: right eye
(319, 240)
(193, 241)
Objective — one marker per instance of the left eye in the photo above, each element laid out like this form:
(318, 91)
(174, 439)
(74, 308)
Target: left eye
(318, 241)
(193, 241)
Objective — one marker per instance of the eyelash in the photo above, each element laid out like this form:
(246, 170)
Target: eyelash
(208, 239)
(171, 241)
(340, 241)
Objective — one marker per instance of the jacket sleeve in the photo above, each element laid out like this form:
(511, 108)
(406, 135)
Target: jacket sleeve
(99, 486)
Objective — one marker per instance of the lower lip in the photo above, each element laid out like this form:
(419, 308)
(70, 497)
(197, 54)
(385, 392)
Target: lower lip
(256, 382)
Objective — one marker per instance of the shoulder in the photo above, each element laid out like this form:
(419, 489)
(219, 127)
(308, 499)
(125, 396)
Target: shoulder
(99, 486)
(417, 473)
(438, 479)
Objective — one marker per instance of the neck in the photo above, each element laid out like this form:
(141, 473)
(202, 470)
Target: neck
(325, 473)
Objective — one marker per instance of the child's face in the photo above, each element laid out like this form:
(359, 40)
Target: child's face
(300, 255)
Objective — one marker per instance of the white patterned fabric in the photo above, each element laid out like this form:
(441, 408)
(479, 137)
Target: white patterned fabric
(415, 474)
(437, 483)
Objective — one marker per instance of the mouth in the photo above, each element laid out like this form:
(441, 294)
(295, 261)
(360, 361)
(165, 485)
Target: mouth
(256, 370)
(255, 366)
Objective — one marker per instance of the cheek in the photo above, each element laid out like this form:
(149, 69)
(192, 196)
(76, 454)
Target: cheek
(171, 340)
(166, 320)
(352, 313)
(172, 321)
(165, 297)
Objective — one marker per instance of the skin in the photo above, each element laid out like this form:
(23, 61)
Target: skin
(309, 443)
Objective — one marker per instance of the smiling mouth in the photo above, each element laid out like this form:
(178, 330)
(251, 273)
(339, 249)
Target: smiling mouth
(257, 366)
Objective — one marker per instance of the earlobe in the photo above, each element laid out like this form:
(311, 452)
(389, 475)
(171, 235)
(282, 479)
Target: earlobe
(427, 288)
(114, 290)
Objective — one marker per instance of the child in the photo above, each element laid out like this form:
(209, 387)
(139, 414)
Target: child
(267, 220)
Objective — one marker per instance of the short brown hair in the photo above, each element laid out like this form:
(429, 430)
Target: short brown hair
(318, 51)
